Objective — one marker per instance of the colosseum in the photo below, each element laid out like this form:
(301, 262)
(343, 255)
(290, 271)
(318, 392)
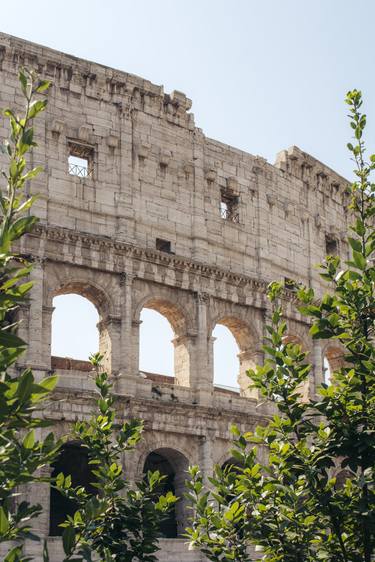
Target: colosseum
(161, 217)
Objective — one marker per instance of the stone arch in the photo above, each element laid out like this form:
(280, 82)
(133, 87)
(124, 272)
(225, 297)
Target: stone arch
(99, 290)
(248, 342)
(92, 292)
(72, 460)
(155, 442)
(291, 337)
(333, 359)
(181, 324)
(173, 464)
(176, 314)
(231, 461)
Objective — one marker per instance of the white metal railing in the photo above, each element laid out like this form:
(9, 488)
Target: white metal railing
(229, 215)
(231, 388)
(80, 171)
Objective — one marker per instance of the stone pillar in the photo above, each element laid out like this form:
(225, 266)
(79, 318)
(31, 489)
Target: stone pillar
(317, 373)
(249, 359)
(206, 457)
(128, 375)
(39, 329)
(201, 375)
(41, 493)
(183, 351)
(199, 227)
(181, 511)
(109, 343)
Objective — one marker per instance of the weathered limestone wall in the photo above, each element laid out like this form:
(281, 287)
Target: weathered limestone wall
(156, 176)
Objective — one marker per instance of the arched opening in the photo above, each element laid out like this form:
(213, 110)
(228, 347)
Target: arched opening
(156, 352)
(75, 333)
(333, 360)
(164, 347)
(173, 465)
(226, 360)
(79, 327)
(73, 461)
(326, 371)
(234, 352)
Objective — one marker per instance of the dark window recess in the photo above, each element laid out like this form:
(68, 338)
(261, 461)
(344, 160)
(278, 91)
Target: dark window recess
(80, 160)
(331, 246)
(229, 207)
(163, 246)
(72, 460)
(154, 461)
(163, 169)
(290, 284)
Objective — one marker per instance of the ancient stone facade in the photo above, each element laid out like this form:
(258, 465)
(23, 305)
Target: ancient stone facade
(164, 218)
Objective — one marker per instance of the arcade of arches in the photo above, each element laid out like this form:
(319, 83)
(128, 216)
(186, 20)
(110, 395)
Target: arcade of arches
(117, 314)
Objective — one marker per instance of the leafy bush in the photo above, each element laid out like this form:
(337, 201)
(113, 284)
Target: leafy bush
(22, 455)
(315, 498)
(120, 522)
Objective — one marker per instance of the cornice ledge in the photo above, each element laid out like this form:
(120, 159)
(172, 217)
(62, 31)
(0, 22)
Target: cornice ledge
(61, 234)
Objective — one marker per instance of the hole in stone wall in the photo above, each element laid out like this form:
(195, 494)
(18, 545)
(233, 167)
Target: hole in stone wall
(229, 206)
(226, 361)
(163, 245)
(326, 371)
(156, 351)
(80, 160)
(174, 466)
(74, 327)
(72, 460)
(163, 170)
(155, 461)
(331, 246)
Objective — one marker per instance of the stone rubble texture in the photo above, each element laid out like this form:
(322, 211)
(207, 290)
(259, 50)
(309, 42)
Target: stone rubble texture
(156, 175)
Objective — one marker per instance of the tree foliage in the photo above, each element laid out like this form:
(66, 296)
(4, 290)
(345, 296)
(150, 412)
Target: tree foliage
(22, 455)
(120, 522)
(315, 497)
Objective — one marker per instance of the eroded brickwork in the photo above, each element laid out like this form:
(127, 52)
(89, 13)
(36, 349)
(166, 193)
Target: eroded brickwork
(225, 223)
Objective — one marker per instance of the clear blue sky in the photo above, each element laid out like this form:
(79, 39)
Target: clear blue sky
(263, 74)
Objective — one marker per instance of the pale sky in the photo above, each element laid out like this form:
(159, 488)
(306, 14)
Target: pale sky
(262, 74)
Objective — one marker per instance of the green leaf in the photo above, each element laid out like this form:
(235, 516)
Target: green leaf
(355, 244)
(7, 339)
(36, 107)
(68, 538)
(359, 260)
(29, 440)
(21, 226)
(49, 383)
(4, 522)
(42, 86)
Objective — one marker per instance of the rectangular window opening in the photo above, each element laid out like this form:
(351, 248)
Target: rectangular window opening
(81, 160)
(331, 246)
(229, 207)
(163, 246)
(290, 284)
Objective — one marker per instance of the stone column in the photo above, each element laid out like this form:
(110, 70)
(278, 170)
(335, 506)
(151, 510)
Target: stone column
(201, 375)
(109, 343)
(184, 348)
(39, 329)
(206, 457)
(129, 340)
(317, 373)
